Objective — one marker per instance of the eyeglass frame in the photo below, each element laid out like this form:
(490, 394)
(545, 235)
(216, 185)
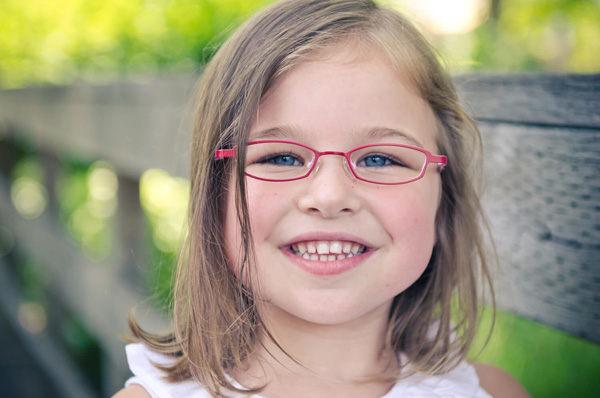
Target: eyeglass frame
(440, 160)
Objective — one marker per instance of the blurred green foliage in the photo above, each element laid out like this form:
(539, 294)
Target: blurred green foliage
(83, 348)
(548, 35)
(87, 197)
(164, 199)
(62, 40)
(27, 191)
(59, 40)
(33, 282)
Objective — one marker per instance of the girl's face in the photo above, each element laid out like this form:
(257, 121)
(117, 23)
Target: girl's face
(337, 105)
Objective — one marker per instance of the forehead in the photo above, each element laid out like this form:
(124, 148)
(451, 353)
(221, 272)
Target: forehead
(344, 95)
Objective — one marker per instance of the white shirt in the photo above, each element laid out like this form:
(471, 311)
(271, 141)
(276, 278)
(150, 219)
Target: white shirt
(461, 382)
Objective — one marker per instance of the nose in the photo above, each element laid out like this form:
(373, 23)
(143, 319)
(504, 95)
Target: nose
(343, 159)
(328, 192)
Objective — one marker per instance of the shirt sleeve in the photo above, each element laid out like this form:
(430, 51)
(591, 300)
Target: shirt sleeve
(460, 382)
(141, 363)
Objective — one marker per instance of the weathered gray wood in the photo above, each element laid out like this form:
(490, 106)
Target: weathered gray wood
(50, 165)
(133, 125)
(543, 201)
(131, 250)
(552, 100)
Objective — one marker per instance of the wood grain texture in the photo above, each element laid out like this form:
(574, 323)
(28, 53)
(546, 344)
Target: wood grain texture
(135, 125)
(543, 200)
(571, 101)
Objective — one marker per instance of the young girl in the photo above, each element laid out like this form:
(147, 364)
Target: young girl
(334, 246)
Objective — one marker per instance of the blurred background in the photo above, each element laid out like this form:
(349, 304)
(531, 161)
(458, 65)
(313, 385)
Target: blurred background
(59, 42)
(93, 205)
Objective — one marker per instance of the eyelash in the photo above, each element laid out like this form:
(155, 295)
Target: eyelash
(269, 158)
(393, 161)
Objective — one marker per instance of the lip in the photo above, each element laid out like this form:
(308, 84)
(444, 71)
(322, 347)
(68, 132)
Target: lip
(327, 268)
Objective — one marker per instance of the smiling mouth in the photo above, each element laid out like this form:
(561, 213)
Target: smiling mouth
(327, 250)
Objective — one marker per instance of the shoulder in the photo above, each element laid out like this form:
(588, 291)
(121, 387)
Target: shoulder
(499, 383)
(132, 391)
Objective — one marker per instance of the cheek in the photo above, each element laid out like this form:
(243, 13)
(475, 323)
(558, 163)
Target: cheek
(412, 212)
(409, 221)
(413, 238)
(413, 227)
(264, 210)
(266, 206)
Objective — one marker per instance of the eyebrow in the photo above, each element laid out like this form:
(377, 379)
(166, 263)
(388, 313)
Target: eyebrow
(386, 132)
(287, 132)
(279, 132)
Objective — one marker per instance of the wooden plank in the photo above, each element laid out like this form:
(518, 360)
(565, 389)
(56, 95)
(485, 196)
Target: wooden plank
(571, 101)
(134, 125)
(543, 200)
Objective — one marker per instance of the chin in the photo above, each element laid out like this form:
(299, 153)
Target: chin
(328, 313)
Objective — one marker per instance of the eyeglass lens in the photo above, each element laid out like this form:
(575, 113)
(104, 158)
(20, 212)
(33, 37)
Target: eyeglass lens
(277, 161)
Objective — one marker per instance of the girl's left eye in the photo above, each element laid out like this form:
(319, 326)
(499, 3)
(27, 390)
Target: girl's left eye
(378, 160)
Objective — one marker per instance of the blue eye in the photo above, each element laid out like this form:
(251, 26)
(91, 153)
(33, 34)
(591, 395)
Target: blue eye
(375, 161)
(378, 160)
(281, 160)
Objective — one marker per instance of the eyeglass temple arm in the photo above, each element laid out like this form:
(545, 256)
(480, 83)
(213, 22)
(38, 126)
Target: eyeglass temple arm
(440, 160)
(226, 153)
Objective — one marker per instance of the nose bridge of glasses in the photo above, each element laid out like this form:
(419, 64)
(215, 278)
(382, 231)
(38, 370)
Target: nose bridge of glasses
(335, 153)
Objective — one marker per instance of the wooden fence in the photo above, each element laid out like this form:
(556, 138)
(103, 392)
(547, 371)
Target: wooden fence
(542, 149)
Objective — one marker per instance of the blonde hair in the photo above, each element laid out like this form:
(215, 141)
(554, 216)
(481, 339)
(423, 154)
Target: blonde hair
(216, 321)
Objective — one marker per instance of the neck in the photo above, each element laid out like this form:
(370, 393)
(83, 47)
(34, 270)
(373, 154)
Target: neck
(324, 360)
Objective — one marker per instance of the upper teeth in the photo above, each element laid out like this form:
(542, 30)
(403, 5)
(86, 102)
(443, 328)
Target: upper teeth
(325, 248)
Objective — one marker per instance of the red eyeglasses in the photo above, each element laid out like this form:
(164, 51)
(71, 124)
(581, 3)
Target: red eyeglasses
(387, 164)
